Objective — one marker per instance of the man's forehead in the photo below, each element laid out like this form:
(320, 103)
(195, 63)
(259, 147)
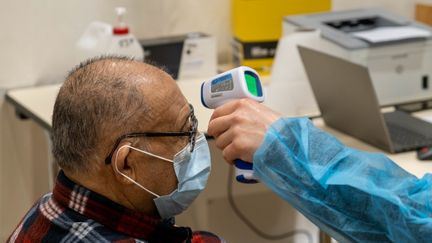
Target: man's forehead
(173, 117)
(167, 104)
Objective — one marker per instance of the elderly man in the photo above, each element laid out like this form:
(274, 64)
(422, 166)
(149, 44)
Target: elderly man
(131, 159)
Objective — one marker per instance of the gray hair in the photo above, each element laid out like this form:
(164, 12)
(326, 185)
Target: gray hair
(95, 105)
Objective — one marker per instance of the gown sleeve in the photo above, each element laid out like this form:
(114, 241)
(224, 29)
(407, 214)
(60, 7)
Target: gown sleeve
(354, 196)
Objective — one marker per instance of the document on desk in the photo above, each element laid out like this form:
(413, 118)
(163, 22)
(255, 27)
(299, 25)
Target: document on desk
(393, 33)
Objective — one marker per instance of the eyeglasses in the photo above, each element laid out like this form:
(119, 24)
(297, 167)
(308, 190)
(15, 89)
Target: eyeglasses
(191, 134)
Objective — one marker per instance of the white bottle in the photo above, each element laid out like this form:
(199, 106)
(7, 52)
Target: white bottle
(102, 39)
(122, 41)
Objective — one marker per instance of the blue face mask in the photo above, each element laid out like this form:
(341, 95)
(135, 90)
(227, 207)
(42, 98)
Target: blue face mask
(192, 171)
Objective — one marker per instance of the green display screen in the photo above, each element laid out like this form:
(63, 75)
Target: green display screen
(253, 84)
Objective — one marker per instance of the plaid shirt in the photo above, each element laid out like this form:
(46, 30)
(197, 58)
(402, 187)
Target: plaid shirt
(72, 213)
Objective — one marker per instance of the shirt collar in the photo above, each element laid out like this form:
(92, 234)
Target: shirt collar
(103, 210)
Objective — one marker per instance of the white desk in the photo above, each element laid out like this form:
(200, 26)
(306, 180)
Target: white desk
(37, 103)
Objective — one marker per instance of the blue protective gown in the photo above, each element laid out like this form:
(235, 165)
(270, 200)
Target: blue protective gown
(354, 196)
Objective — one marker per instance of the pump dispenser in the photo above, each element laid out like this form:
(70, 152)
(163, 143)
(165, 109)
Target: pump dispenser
(103, 39)
(121, 27)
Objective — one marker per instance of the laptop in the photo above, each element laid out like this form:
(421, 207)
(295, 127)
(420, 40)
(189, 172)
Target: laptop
(348, 102)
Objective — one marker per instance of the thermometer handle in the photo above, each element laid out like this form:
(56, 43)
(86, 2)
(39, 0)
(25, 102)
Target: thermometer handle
(244, 172)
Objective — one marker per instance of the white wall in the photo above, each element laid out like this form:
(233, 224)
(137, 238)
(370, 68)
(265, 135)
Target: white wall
(36, 45)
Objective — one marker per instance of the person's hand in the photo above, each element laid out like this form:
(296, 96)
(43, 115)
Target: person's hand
(239, 127)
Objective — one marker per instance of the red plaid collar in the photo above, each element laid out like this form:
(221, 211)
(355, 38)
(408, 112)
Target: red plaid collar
(113, 215)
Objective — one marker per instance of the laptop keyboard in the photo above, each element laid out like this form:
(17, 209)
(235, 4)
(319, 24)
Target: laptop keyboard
(406, 137)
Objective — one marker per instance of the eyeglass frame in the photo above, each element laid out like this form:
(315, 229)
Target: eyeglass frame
(191, 134)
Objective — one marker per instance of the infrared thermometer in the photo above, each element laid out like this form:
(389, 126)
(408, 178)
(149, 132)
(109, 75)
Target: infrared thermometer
(241, 82)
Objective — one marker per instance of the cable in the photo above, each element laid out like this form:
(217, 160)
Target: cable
(251, 225)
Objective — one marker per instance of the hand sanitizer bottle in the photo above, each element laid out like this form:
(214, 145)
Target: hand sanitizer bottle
(122, 41)
(103, 39)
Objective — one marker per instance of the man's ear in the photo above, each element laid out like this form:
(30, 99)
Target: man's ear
(120, 164)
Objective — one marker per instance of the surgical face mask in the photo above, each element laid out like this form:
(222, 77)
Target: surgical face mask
(192, 171)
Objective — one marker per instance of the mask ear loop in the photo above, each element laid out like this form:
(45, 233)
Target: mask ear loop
(130, 179)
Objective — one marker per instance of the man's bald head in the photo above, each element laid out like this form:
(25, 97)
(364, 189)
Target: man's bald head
(100, 100)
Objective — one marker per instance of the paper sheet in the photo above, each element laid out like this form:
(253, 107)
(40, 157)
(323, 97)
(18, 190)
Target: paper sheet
(384, 34)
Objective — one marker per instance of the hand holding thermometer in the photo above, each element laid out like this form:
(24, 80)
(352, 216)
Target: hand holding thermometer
(241, 82)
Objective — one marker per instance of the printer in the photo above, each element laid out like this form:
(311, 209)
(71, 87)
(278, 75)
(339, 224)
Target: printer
(396, 50)
(188, 56)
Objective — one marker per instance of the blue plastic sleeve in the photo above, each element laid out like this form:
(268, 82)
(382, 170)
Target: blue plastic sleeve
(354, 196)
